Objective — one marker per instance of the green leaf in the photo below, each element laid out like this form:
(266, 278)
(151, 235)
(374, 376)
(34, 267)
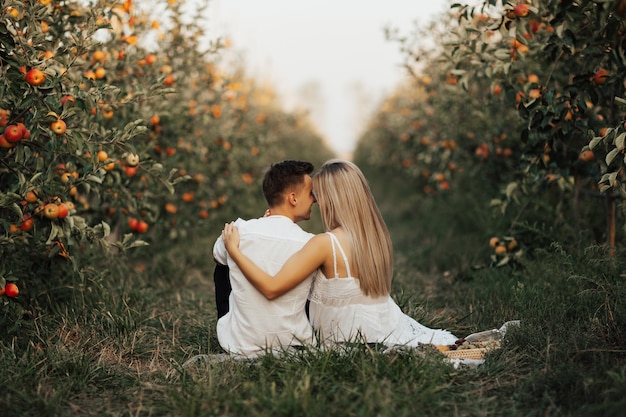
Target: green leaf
(137, 243)
(106, 229)
(34, 177)
(619, 141)
(8, 201)
(503, 261)
(78, 222)
(94, 178)
(611, 156)
(510, 189)
(594, 142)
(127, 238)
(54, 232)
(156, 168)
(168, 185)
(502, 54)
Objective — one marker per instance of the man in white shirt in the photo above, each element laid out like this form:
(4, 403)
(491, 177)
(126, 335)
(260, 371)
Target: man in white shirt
(249, 324)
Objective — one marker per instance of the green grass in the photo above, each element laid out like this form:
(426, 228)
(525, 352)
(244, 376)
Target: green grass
(113, 342)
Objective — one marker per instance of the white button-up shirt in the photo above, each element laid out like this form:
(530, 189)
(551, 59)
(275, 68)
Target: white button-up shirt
(253, 323)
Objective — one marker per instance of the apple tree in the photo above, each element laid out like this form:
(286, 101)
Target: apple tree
(572, 105)
(69, 130)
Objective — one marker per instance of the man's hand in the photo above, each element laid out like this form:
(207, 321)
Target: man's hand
(230, 235)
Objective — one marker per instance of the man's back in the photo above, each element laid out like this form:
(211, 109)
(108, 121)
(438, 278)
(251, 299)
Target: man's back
(254, 323)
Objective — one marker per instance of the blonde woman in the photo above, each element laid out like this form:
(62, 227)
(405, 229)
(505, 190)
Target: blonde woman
(350, 297)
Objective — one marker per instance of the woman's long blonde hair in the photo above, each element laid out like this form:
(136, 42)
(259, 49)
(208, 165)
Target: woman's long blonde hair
(345, 200)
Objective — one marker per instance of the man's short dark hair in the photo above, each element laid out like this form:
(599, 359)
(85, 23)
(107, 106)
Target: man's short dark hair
(282, 176)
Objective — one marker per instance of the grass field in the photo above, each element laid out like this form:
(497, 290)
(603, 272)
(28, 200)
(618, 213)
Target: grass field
(114, 343)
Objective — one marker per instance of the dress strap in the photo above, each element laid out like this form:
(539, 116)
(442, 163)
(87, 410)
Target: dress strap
(334, 241)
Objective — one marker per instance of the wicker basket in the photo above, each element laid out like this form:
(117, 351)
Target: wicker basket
(474, 353)
(478, 353)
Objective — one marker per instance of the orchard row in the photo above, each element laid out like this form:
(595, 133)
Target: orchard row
(111, 140)
(528, 96)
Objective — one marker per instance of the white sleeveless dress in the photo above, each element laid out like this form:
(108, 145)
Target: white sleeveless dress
(340, 312)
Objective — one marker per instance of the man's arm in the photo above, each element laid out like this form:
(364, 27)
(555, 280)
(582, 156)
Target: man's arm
(220, 254)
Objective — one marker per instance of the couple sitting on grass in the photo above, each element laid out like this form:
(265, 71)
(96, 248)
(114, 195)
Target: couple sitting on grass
(278, 286)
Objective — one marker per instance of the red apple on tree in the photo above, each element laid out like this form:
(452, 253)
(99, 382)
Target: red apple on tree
(151, 59)
(130, 171)
(25, 131)
(132, 223)
(5, 143)
(521, 10)
(11, 290)
(142, 226)
(600, 76)
(586, 155)
(63, 211)
(51, 211)
(35, 77)
(58, 126)
(66, 99)
(27, 223)
(13, 133)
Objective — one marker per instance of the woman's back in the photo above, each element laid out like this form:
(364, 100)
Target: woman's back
(337, 263)
(339, 310)
(348, 206)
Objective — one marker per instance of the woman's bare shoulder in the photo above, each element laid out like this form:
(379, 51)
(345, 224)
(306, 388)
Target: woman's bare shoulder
(319, 243)
(320, 239)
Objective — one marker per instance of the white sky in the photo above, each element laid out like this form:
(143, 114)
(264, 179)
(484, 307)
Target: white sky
(334, 49)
